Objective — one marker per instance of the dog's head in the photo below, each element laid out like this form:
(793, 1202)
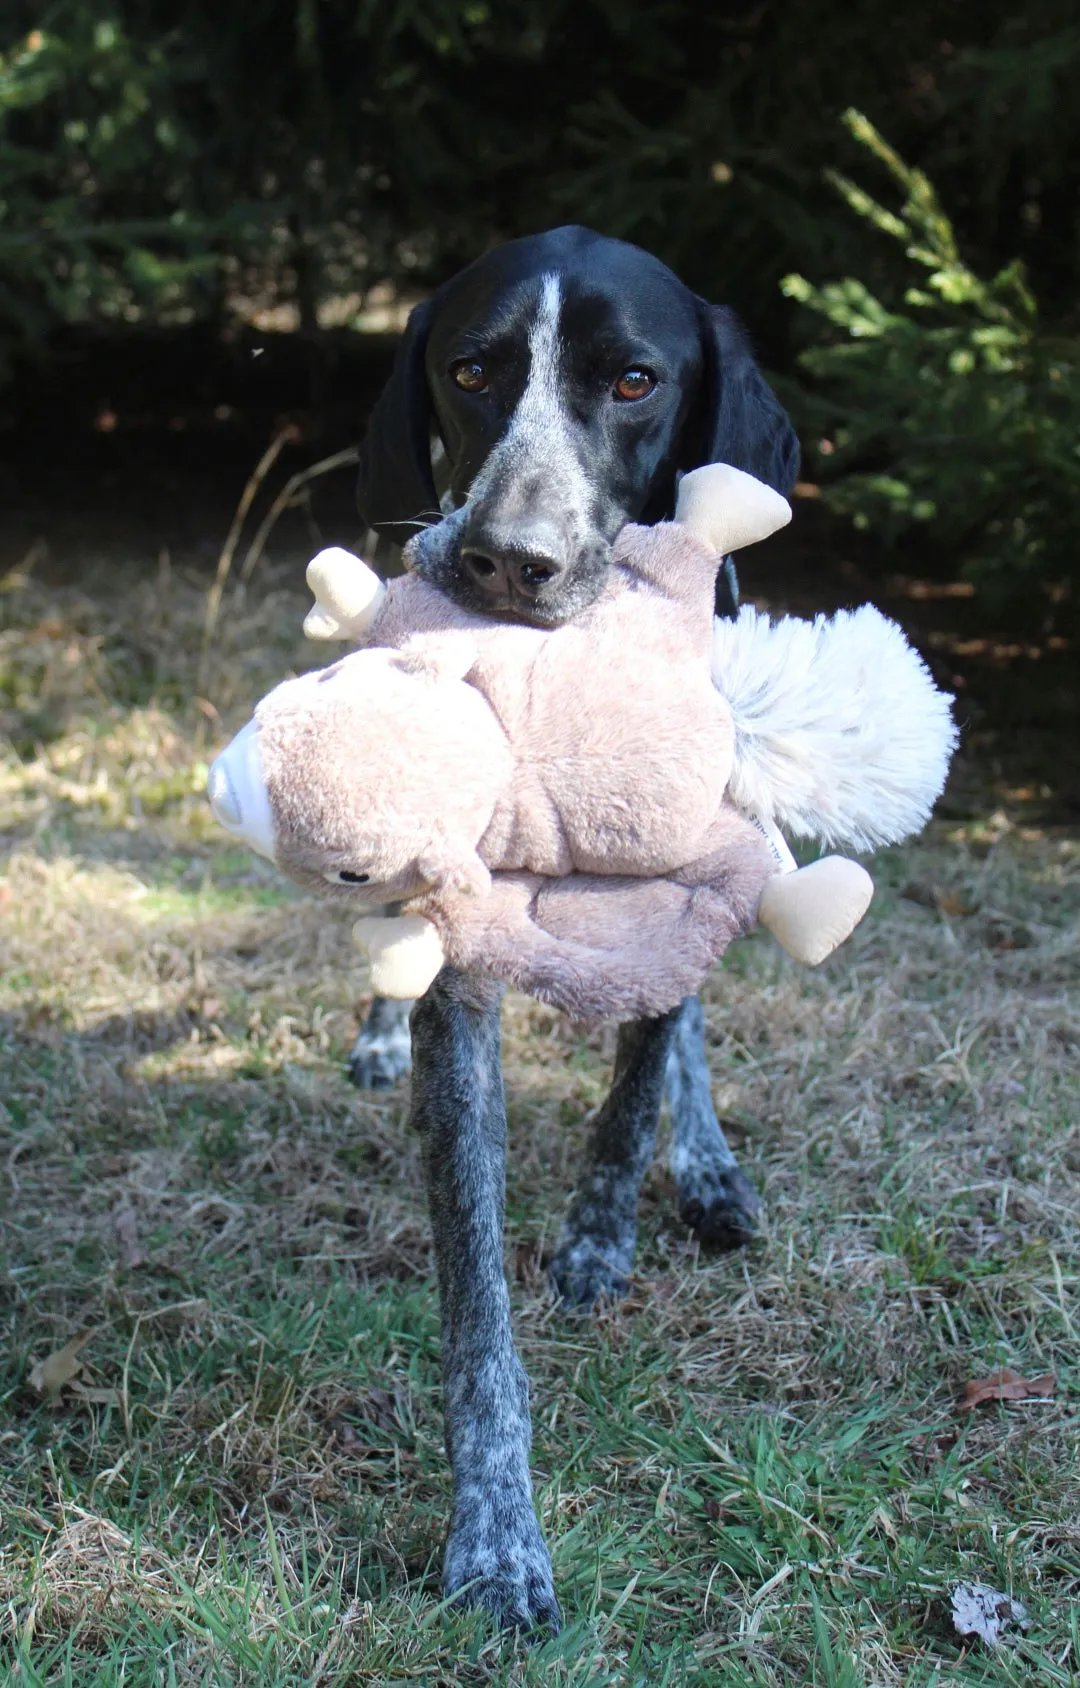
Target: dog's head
(570, 379)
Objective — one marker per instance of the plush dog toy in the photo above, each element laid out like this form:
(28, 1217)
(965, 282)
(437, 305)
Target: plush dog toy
(590, 812)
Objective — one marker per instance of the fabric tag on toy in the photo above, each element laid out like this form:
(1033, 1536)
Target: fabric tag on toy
(776, 841)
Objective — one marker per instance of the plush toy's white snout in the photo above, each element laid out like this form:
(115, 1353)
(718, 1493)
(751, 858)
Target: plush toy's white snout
(237, 792)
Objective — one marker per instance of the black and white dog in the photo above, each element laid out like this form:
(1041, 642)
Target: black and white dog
(563, 382)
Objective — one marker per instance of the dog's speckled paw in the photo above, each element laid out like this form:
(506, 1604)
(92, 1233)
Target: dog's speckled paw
(583, 1274)
(504, 1569)
(720, 1205)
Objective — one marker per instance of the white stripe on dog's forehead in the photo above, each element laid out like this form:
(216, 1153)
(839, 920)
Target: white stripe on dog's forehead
(539, 431)
(538, 439)
(544, 335)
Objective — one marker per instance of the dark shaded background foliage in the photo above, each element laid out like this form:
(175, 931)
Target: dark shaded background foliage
(154, 156)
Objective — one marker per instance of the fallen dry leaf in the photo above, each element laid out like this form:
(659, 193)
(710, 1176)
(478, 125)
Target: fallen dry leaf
(930, 896)
(978, 1609)
(1006, 1385)
(96, 1397)
(934, 1445)
(49, 1376)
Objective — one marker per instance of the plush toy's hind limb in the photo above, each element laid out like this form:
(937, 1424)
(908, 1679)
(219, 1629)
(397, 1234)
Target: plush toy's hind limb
(405, 953)
(811, 911)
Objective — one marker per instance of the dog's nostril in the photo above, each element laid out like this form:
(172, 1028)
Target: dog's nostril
(479, 565)
(537, 574)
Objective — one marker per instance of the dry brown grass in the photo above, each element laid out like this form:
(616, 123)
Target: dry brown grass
(753, 1471)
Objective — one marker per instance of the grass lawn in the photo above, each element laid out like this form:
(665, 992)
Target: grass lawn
(754, 1471)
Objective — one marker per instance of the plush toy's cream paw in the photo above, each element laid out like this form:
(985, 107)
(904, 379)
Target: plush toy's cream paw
(811, 911)
(729, 509)
(348, 595)
(405, 954)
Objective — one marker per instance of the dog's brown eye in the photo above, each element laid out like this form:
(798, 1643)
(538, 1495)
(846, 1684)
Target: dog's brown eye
(470, 375)
(635, 384)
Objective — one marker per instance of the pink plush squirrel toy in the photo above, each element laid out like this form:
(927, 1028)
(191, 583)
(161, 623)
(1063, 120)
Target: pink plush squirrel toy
(590, 812)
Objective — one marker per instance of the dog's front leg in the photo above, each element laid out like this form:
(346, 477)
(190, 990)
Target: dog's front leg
(716, 1199)
(381, 1054)
(495, 1553)
(596, 1245)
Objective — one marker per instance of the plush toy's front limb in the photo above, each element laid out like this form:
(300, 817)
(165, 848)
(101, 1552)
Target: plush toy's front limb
(495, 933)
(405, 953)
(609, 956)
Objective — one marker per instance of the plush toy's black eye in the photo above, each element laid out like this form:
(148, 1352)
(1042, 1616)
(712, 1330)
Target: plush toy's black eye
(347, 878)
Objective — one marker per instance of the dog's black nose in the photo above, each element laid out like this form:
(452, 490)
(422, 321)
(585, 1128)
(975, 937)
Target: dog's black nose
(521, 574)
(512, 566)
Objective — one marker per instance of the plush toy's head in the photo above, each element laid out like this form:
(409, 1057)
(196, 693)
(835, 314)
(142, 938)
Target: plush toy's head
(372, 780)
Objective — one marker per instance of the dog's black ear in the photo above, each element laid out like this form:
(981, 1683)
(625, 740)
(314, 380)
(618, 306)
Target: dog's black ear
(395, 491)
(742, 421)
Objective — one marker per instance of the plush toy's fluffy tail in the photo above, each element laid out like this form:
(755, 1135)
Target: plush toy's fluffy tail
(840, 732)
